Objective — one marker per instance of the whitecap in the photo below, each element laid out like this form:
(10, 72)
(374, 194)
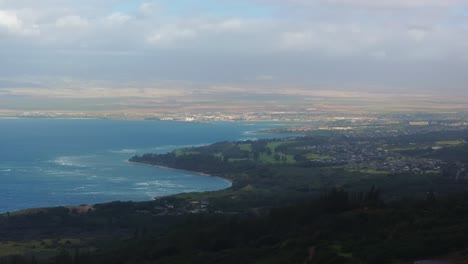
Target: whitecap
(164, 184)
(142, 184)
(69, 161)
(247, 139)
(250, 132)
(171, 147)
(90, 193)
(124, 151)
(118, 179)
(189, 190)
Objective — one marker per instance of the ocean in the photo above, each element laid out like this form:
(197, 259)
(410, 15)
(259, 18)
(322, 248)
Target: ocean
(57, 162)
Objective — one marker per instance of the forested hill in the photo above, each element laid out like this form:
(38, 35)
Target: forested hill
(336, 228)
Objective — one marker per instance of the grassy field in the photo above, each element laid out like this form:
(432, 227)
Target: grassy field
(271, 158)
(246, 147)
(370, 171)
(405, 148)
(450, 143)
(312, 156)
(274, 157)
(181, 152)
(40, 248)
(273, 145)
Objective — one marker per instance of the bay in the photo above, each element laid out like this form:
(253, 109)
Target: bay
(56, 162)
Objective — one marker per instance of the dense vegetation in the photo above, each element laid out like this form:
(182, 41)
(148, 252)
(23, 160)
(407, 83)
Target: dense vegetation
(337, 227)
(297, 200)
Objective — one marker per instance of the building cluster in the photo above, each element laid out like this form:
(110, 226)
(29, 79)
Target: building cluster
(367, 155)
(167, 207)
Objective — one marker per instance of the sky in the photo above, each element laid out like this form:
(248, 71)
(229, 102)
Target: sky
(393, 46)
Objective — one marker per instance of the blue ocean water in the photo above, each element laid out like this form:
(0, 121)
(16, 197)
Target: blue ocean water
(53, 162)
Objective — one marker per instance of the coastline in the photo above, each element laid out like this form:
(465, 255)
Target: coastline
(181, 170)
(47, 199)
(218, 182)
(75, 207)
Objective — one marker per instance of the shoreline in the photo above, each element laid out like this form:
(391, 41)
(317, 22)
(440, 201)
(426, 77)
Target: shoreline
(203, 121)
(70, 207)
(181, 170)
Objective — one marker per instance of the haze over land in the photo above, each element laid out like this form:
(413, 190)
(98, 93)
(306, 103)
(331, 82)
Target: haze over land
(213, 103)
(155, 59)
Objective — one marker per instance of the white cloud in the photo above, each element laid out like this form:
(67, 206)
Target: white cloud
(332, 39)
(399, 3)
(297, 39)
(224, 25)
(231, 24)
(417, 33)
(327, 33)
(148, 9)
(11, 23)
(117, 18)
(379, 30)
(383, 3)
(170, 36)
(264, 77)
(379, 54)
(71, 21)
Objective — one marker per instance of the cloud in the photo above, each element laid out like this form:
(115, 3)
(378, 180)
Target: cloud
(285, 42)
(149, 9)
(418, 33)
(401, 3)
(170, 36)
(381, 4)
(329, 31)
(333, 39)
(231, 24)
(264, 77)
(72, 21)
(12, 24)
(117, 18)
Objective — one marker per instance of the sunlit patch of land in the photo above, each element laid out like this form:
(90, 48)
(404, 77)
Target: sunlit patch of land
(212, 102)
(450, 143)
